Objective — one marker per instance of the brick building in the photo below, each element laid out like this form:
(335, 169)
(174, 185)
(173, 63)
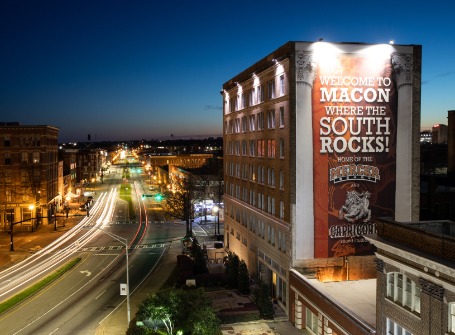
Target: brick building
(320, 139)
(416, 277)
(28, 173)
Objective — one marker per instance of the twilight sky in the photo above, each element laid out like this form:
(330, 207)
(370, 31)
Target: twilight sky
(123, 70)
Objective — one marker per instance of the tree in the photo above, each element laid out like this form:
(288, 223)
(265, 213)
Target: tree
(179, 202)
(263, 300)
(188, 311)
(243, 278)
(233, 269)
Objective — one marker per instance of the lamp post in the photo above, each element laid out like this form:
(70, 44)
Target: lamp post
(124, 241)
(31, 207)
(11, 248)
(216, 210)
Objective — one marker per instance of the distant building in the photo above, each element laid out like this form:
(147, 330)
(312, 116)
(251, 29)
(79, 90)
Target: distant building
(29, 172)
(439, 134)
(320, 139)
(425, 136)
(416, 277)
(451, 145)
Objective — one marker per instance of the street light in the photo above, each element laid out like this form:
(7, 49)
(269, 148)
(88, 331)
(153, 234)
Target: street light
(31, 207)
(11, 248)
(125, 242)
(216, 209)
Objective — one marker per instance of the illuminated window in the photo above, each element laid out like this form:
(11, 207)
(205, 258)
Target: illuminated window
(261, 148)
(271, 148)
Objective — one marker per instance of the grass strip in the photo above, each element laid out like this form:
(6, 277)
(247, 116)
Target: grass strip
(29, 291)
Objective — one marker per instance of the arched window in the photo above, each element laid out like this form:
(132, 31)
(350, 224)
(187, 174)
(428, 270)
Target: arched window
(403, 291)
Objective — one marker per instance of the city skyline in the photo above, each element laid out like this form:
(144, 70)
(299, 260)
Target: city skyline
(141, 70)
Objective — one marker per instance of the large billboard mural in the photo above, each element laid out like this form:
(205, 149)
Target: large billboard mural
(354, 106)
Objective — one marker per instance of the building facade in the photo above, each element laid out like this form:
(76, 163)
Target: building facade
(416, 277)
(320, 139)
(28, 174)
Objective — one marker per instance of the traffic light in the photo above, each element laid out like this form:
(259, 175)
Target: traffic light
(158, 197)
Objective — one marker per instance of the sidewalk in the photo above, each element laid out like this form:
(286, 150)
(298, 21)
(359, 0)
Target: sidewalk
(26, 242)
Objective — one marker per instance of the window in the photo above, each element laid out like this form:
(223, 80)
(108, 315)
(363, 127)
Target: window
(281, 179)
(281, 209)
(259, 94)
(452, 317)
(7, 141)
(261, 174)
(252, 122)
(282, 85)
(271, 89)
(24, 158)
(271, 205)
(282, 241)
(271, 177)
(252, 173)
(252, 146)
(261, 148)
(281, 147)
(237, 126)
(403, 291)
(281, 117)
(261, 121)
(271, 148)
(244, 124)
(271, 119)
(7, 158)
(395, 329)
(244, 148)
(311, 322)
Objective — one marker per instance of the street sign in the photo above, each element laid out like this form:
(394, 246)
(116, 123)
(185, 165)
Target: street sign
(123, 289)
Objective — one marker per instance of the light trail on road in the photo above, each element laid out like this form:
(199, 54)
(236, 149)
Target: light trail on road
(55, 253)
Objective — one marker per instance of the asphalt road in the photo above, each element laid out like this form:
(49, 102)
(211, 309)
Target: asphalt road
(78, 301)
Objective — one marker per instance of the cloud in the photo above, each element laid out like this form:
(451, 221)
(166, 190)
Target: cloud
(210, 107)
(446, 74)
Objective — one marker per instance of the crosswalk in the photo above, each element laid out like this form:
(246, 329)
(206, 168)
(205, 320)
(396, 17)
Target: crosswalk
(121, 247)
